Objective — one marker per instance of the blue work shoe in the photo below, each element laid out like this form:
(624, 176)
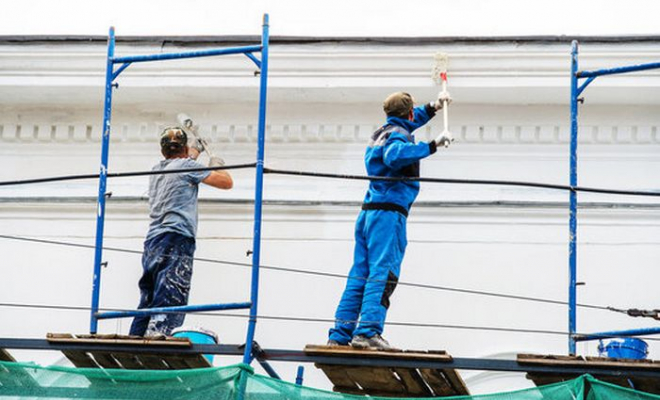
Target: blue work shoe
(376, 342)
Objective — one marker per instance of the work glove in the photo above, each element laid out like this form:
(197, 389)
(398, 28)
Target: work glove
(444, 139)
(440, 102)
(193, 143)
(216, 162)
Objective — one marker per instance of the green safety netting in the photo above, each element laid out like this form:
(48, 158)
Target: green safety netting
(239, 382)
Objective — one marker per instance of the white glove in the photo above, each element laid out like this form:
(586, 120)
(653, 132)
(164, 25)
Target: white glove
(442, 97)
(193, 143)
(444, 139)
(216, 162)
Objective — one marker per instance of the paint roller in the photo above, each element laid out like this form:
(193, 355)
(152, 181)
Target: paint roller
(439, 75)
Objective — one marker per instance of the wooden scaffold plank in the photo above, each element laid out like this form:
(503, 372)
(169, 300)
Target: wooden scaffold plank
(389, 381)
(154, 358)
(625, 378)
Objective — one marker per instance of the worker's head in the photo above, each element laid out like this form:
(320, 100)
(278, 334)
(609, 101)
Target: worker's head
(399, 104)
(174, 142)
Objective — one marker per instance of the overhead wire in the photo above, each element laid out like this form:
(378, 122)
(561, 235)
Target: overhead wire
(467, 182)
(317, 320)
(323, 274)
(353, 177)
(121, 174)
(537, 185)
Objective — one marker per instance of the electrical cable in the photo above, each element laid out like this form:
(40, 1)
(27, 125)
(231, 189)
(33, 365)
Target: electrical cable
(346, 176)
(317, 320)
(467, 182)
(323, 274)
(122, 174)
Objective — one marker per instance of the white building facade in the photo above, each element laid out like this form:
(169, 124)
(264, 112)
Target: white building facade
(468, 244)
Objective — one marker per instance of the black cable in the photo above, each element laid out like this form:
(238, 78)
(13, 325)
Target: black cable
(319, 320)
(324, 274)
(123, 174)
(296, 319)
(345, 176)
(466, 182)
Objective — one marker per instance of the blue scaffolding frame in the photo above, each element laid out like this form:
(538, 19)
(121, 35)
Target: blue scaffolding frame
(576, 91)
(262, 64)
(111, 75)
(251, 350)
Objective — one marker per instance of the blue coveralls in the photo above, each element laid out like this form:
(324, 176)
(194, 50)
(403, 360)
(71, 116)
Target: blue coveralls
(169, 246)
(380, 230)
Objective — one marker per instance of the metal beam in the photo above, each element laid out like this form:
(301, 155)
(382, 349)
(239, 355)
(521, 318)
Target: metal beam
(190, 54)
(174, 309)
(613, 334)
(276, 355)
(618, 70)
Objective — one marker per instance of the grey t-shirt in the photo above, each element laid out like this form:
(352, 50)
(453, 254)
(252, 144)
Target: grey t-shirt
(173, 198)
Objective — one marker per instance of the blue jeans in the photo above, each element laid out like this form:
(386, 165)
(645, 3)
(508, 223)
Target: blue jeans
(380, 244)
(166, 273)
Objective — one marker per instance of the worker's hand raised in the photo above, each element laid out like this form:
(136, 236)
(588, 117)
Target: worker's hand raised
(216, 162)
(443, 97)
(444, 139)
(195, 144)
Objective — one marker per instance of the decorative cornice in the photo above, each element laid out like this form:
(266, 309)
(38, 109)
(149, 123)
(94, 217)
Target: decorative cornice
(329, 133)
(480, 73)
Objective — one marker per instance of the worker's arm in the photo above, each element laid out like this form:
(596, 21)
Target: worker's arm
(422, 115)
(193, 153)
(399, 152)
(219, 179)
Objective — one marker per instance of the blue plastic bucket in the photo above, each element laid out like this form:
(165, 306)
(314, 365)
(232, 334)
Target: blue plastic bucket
(631, 348)
(198, 336)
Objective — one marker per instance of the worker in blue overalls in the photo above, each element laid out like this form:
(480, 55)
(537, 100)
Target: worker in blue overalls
(170, 243)
(380, 230)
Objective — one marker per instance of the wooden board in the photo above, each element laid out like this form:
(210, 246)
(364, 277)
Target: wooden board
(5, 356)
(389, 381)
(117, 339)
(433, 355)
(125, 360)
(626, 379)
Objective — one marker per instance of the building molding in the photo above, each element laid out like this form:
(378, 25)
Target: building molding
(500, 134)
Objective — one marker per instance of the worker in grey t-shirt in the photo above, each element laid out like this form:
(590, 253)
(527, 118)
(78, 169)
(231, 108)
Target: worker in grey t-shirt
(170, 243)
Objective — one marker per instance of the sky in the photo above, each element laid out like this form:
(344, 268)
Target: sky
(399, 18)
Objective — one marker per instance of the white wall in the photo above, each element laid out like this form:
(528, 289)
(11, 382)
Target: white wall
(465, 237)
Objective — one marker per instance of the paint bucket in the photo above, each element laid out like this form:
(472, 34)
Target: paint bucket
(631, 348)
(197, 335)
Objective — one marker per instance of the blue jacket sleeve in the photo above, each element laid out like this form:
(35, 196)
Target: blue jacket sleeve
(399, 152)
(422, 115)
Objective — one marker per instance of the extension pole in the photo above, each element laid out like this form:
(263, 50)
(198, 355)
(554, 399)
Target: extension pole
(572, 247)
(258, 200)
(103, 177)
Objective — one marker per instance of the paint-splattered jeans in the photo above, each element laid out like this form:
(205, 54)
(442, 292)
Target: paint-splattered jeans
(167, 270)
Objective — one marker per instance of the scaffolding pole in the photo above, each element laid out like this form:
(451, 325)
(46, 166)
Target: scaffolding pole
(576, 91)
(111, 75)
(103, 179)
(572, 222)
(258, 200)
